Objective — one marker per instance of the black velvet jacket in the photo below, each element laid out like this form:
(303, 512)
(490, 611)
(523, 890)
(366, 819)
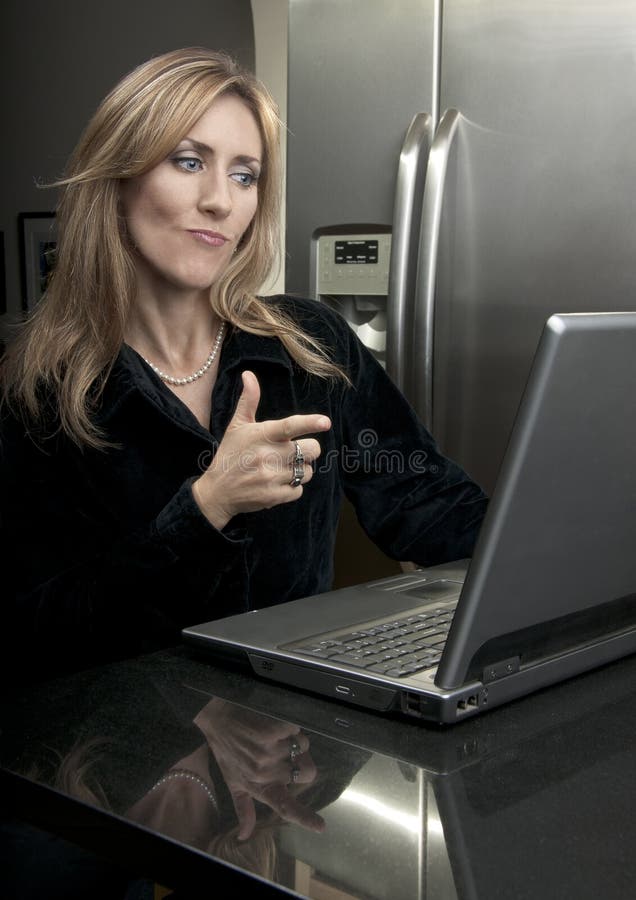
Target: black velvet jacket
(107, 554)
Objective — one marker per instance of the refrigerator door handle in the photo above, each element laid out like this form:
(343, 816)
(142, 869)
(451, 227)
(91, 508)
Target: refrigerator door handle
(403, 264)
(424, 316)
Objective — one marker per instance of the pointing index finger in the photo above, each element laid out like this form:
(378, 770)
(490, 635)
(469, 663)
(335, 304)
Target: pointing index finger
(294, 426)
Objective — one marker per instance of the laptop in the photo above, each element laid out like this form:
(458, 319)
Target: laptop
(549, 593)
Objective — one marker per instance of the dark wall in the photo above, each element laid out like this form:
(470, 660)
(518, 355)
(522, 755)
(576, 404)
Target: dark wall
(57, 61)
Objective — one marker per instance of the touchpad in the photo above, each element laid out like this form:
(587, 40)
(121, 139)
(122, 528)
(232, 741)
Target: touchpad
(434, 590)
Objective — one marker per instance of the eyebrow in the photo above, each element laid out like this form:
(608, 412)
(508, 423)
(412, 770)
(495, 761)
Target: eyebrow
(205, 148)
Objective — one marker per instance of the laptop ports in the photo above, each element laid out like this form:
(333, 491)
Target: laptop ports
(467, 704)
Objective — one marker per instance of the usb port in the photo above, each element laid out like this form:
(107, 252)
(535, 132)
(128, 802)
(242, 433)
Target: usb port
(343, 689)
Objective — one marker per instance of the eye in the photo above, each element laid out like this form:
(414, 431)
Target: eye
(245, 179)
(188, 163)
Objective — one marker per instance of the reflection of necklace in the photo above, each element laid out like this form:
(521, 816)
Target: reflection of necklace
(169, 379)
(189, 776)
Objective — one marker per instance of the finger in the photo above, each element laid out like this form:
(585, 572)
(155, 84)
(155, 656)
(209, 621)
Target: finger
(302, 770)
(263, 765)
(309, 447)
(290, 748)
(276, 430)
(300, 465)
(245, 813)
(274, 769)
(299, 771)
(245, 412)
(278, 798)
(262, 750)
(278, 765)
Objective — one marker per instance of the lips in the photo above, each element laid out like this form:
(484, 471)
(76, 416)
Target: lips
(211, 238)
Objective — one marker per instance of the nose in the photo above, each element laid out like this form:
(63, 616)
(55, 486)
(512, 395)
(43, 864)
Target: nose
(215, 196)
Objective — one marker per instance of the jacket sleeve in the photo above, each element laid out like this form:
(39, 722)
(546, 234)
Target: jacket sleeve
(74, 593)
(413, 502)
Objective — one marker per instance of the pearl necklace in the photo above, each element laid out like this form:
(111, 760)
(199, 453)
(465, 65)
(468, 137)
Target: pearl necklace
(189, 776)
(169, 379)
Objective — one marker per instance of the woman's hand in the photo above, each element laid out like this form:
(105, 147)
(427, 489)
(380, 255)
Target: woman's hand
(252, 468)
(254, 754)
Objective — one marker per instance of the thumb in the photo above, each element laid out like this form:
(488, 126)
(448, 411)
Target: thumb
(245, 412)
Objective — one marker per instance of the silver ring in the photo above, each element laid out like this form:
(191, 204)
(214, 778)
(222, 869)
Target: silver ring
(295, 774)
(298, 466)
(294, 750)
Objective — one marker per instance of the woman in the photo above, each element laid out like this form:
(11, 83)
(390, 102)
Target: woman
(175, 449)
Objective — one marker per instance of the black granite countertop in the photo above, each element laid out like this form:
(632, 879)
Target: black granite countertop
(185, 772)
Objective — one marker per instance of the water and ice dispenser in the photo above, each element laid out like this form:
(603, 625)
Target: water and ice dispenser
(350, 272)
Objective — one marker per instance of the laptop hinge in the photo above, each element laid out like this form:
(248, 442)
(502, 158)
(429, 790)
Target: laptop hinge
(500, 669)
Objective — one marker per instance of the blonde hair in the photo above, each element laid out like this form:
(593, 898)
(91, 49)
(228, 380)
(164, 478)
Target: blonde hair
(69, 344)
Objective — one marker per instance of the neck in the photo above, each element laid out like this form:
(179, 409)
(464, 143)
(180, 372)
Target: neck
(175, 333)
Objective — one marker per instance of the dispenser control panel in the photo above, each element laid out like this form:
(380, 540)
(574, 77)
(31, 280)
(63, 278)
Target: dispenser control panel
(353, 264)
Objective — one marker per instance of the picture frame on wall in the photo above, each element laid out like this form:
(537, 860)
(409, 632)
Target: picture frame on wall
(38, 242)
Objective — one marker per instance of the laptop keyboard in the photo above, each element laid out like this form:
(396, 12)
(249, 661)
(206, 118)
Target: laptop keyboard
(397, 648)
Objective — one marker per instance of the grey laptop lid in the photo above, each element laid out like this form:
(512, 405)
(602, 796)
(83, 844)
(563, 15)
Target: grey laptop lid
(554, 564)
(551, 589)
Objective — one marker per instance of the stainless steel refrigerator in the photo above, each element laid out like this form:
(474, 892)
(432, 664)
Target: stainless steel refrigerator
(494, 142)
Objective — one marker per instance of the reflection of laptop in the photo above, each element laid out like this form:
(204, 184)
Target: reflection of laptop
(551, 589)
(451, 805)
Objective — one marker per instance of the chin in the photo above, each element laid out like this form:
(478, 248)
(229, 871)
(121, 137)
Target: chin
(195, 283)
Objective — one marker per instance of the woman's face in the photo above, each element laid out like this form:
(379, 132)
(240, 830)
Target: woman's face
(186, 216)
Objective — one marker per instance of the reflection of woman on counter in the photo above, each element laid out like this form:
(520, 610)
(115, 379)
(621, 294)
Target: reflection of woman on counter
(161, 423)
(229, 796)
(242, 776)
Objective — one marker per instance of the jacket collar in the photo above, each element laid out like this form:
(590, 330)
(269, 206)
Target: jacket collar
(242, 348)
(131, 375)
